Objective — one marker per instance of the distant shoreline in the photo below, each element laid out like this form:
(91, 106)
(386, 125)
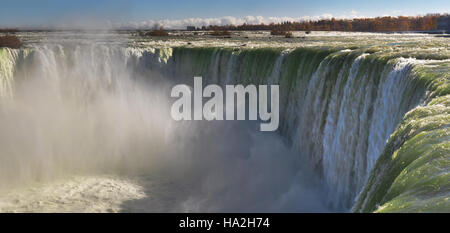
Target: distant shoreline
(430, 24)
(433, 32)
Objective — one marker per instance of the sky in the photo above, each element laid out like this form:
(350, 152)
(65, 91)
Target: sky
(177, 13)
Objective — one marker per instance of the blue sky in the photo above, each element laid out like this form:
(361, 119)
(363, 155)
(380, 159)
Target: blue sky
(51, 12)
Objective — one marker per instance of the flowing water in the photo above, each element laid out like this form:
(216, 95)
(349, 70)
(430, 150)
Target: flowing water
(85, 125)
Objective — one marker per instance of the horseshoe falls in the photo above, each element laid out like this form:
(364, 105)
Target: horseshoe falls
(85, 125)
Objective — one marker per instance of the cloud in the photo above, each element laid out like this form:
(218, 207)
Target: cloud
(227, 20)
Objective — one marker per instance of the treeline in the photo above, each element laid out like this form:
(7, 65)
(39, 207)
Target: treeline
(379, 24)
(9, 30)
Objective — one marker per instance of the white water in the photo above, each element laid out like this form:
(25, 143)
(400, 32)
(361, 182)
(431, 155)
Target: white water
(74, 194)
(88, 110)
(84, 111)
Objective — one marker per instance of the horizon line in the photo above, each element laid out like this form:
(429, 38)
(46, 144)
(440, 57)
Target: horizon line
(107, 25)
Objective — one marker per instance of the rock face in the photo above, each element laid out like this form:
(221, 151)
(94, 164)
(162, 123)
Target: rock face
(10, 41)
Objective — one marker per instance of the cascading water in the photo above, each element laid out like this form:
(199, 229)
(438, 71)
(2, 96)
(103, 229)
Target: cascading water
(340, 108)
(66, 99)
(104, 108)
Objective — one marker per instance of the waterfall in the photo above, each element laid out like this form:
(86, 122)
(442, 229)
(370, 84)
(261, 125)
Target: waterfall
(8, 60)
(76, 109)
(338, 107)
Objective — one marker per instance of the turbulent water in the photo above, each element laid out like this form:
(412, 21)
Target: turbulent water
(362, 128)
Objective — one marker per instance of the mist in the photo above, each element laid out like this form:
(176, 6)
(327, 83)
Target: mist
(99, 109)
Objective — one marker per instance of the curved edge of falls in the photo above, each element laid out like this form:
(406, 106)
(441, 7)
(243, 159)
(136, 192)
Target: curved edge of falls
(338, 108)
(413, 172)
